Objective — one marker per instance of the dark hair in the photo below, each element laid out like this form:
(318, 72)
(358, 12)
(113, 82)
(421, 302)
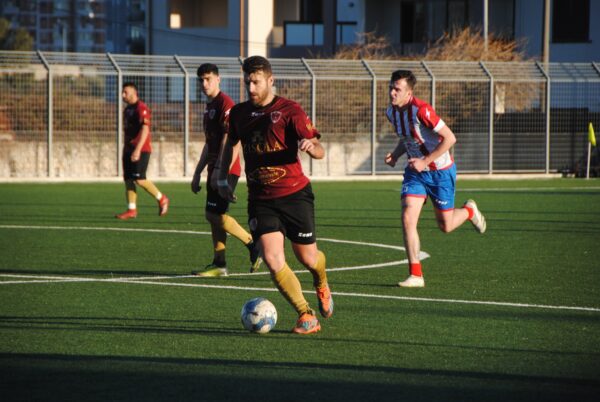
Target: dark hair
(255, 64)
(207, 68)
(130, 84)
(407, 75)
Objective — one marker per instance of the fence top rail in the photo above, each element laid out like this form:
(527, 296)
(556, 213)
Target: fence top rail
(383, 69)
(79, 62)
(340, 69)
(229, 67)
(147, 64)
(333, 69)
(457, 70)
(515, 71)
(286, 68)
(572, 72)
(18, 59)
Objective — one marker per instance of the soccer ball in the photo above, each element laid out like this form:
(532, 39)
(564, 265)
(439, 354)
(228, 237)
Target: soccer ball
(259, 315)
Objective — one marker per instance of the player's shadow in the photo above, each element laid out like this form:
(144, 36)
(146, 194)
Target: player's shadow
(101, 378)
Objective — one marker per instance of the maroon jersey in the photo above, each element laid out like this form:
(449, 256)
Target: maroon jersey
(270, 137)
(134, 117)
(216, 124)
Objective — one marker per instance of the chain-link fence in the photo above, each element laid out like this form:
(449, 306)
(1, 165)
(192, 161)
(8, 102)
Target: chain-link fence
(61, 113)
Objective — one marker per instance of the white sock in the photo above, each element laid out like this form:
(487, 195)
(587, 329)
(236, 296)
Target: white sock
(131, 205)
(158, 196)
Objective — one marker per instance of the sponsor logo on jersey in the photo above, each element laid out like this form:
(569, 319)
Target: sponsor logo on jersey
(275, 116)
(256, 114)
(427, 113)
(267, 175)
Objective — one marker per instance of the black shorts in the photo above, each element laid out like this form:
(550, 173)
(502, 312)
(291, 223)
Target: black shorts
(135, 170)
(214, 202)
(293, 215)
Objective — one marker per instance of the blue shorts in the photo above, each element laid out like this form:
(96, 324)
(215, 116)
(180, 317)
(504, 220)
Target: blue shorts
(439, 185)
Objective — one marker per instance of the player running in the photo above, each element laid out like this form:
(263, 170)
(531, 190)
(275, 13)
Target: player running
(216, 123)
(136, 153)
(272, 130)
(430, 170)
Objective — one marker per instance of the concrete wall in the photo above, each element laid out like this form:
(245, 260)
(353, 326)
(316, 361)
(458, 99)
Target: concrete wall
(23, 159)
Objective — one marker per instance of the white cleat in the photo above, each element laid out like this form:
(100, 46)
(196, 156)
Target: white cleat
(413, 281)
(478, 220)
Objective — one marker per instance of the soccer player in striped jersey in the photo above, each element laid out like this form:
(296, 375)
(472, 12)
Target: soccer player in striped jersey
(136, 153)
(216, 125)
(272, 131)
(430, 171)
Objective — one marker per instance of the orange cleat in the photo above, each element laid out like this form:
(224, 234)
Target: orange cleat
(307, 324)
(325, 301)
(129, 214)
(163, 205)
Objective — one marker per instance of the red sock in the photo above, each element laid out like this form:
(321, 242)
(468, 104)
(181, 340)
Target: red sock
(415, 269)
(470, 211)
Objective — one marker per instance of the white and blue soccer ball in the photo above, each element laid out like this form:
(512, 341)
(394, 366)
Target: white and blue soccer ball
(259, 315)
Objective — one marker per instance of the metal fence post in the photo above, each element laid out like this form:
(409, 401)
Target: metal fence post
(313, 103)
(186, 113)
(537, 63)
(373, 114)
(50, 107)
(426, 67)
(490, 120)
(119, 135)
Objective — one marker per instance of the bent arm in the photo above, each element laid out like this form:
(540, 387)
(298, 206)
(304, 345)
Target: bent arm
(312, 147)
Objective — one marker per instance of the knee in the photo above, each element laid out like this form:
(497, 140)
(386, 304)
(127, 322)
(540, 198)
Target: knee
(308, 259)
(274, 261)
(213, 218)
(444, 227)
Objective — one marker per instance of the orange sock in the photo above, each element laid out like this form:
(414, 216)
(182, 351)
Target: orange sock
(415, 269)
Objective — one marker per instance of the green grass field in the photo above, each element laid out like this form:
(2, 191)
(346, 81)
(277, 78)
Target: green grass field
(95, 309)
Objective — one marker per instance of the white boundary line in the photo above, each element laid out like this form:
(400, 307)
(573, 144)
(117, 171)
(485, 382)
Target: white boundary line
(152, 280)
(423, 255)
(521, 189)
(145, 281)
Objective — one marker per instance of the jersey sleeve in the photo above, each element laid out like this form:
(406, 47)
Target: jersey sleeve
(233, 136)
(227, 105)
(302, 124)
(429, 118)
(145, 115)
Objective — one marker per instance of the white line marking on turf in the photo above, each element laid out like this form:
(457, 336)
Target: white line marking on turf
(146, 281)
(527, 189)
(103, 228)
(142, 281)
(423, 254)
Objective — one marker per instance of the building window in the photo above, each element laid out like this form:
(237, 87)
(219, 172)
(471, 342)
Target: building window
(311, 10)
(570, 21)
(197, 14)
(501, 16)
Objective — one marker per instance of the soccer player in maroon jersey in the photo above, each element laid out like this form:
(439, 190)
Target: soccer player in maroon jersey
(272, 130)
(136, 153)
(216, 124)
(430, 171)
